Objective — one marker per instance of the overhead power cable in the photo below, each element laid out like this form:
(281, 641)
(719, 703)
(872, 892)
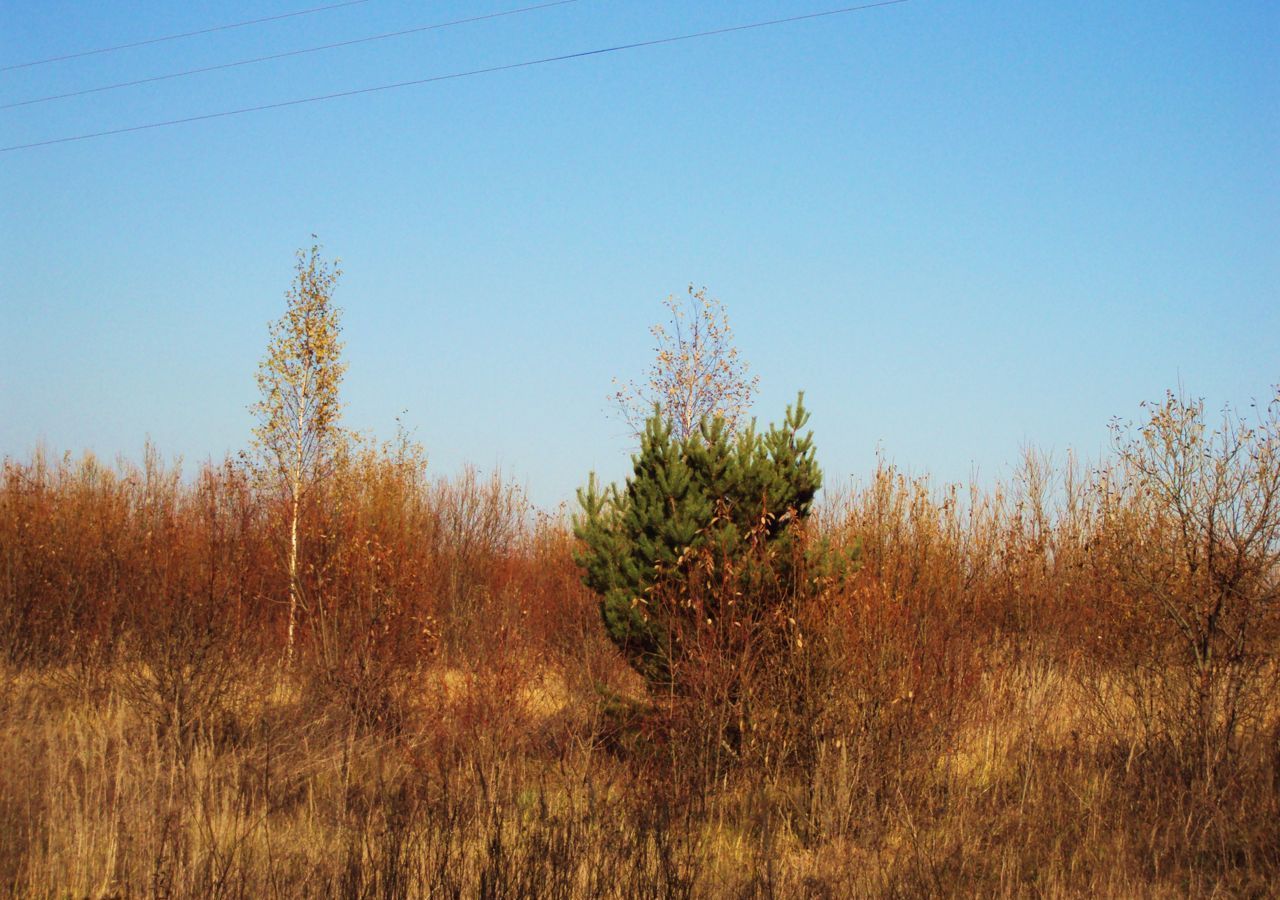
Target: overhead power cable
(287, 54)
(581, 54)
(174, 37)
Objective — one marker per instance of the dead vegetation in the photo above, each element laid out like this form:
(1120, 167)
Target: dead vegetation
(1064, 686)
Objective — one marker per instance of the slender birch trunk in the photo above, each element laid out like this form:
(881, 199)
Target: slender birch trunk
(293, 578)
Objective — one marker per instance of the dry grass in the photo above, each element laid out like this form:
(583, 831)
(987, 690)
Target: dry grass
(987, 707)
(494, 792)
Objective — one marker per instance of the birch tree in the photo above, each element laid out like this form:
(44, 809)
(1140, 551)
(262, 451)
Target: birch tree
(1199, 558)
(697, 372)
(297, 432)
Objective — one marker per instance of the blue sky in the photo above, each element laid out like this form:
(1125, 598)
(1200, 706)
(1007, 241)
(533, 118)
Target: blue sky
(961, 228)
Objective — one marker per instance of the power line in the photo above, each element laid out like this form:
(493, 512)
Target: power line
(174, 37)
(285, 55)
(456, 75)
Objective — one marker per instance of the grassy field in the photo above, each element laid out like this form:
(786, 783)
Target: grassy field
(1015, 694)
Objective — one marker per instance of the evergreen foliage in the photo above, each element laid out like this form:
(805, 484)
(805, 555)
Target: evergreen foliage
(715, 491)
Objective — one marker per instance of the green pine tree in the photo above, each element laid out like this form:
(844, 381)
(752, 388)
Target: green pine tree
(715, 492)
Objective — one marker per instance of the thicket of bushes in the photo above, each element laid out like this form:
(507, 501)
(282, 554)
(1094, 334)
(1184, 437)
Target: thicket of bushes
(1061, 686)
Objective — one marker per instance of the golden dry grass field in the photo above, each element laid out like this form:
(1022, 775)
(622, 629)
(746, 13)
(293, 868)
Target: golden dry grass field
(1003, 698)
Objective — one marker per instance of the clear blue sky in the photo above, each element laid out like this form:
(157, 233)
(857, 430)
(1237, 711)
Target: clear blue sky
(959, 227)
